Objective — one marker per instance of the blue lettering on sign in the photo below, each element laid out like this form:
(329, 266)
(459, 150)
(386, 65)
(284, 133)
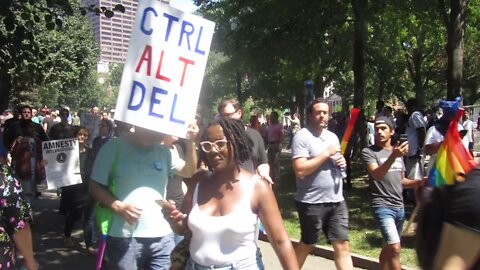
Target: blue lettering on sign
(197, 50)
(144, 18)
(171, 19)
(187, 33)
(172, 119)
(132, 94)
(154, 100)
(187, 29)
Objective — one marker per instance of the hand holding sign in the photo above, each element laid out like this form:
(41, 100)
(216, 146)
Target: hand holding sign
(192, 131)
(62, 157)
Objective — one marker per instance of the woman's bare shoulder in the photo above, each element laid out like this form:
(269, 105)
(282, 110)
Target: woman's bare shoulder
(261, 185)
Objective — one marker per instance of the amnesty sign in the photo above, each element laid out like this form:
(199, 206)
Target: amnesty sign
(63, 167)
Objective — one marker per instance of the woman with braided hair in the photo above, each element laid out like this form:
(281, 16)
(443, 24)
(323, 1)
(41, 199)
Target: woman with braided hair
(223, 203)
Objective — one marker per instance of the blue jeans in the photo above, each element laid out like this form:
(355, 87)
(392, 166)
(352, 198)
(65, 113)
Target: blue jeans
(139, 253)
(89, 228)
(29, 187)
(177, 238)
(390, 220)
(255, 263)
(88, 224)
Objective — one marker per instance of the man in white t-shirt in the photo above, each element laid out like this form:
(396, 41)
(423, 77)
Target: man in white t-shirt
(416, 128)
(468, 126)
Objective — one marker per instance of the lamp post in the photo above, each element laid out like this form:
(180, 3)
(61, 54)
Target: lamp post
(234, 25)
(309, 92)
(308, 97)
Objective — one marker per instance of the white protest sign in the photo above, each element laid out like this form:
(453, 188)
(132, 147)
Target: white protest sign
(164, 69)
(92, 122)
(63, 168)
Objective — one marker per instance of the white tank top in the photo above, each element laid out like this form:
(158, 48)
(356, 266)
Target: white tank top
(218, 240)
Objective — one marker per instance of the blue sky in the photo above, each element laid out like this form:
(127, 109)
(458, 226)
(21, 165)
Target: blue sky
(185, 5)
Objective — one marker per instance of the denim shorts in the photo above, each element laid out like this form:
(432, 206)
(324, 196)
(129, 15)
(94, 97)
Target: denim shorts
(255, 263)
(139, 253)
(390, 220)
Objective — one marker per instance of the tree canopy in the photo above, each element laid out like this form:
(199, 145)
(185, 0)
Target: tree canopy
(369, 50)
(48, 53)
(400, 47)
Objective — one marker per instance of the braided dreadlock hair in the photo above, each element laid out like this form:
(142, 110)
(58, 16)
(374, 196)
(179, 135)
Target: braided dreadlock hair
(235, 134)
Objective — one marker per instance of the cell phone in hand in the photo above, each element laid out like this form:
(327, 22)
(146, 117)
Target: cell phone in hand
(163, 203)
(403, 138)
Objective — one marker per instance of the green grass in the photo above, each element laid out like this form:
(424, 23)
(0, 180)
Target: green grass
(365, 237)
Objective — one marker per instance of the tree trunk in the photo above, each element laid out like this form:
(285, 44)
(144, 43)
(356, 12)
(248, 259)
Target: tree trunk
(417, 77)
(382, 78)
(300, 100)
(359, 10)
(455, 31)
(319, 85)
(358, 140)
(5, 89)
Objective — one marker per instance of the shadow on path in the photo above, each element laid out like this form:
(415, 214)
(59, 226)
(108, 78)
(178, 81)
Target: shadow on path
(49, 248)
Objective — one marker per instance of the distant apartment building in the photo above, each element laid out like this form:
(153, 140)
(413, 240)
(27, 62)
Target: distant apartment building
(112, 34)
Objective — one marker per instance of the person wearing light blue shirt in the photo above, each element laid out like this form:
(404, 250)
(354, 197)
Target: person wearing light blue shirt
(139, 237)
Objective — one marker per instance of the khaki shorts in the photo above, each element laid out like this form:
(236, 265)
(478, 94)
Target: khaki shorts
(414, 167)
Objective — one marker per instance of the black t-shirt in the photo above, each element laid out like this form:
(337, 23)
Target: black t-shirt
(259, 155)
(61, 131)
(464, 204)
(19, 128)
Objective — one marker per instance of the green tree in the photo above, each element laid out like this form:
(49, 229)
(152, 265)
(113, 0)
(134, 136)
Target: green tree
(407, 60)
(111, 86)
(69, 64)
(471, 64)
(23, 56)
(115, 74)
(280, 45)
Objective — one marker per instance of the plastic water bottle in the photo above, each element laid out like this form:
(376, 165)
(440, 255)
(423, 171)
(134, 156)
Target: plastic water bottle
(128, 228)
(341, 171)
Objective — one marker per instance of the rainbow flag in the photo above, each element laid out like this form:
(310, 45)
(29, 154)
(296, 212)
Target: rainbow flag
(348, 131)
(453, 159)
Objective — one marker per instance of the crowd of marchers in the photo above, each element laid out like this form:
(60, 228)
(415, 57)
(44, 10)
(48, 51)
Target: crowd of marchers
(197, 203)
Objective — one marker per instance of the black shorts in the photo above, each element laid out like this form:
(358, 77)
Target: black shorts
(332, 218)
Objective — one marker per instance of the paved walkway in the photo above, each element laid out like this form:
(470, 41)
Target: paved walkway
(312, 262)
(53, 255)
(50, 251)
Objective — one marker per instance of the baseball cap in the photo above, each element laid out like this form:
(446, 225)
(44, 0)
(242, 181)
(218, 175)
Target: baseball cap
(450, 107)
(384, 120)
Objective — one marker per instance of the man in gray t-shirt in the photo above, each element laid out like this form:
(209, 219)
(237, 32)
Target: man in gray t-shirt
(387, 179)
(319, 200)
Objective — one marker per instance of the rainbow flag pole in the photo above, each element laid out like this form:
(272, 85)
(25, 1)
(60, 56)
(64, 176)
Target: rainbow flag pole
(348, 131)
(101, 252)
